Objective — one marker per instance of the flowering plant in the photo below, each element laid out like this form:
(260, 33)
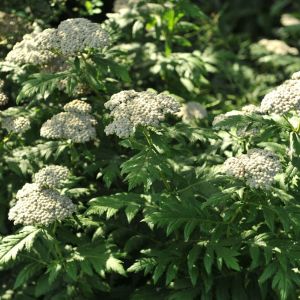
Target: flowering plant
(161, 171)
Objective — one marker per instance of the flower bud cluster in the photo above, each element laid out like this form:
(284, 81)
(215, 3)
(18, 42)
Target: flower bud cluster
(130, 109)
(258, 168)
(15, 124)
(51, 176)
(3, 97)
(192, 111)
(39, 203)
(75, 124)
(278, 47)
(284, 98)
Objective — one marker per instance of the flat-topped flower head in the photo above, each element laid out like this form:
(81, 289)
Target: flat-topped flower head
(284, 98)
(51, 176)
(76, 34)
(78, 106)
(29, 51)
(130, 109)
(79, 128)
(15, 124)
(192, 111)
(258, 168)
(38, 206)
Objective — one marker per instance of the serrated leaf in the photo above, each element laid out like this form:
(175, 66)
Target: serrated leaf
(189, 228)
(42, 286)
(115, 265)
(27, 272)
(229, 257)
(114, 203)
(268, 272)
(269, 217)
(158, 272)
(12, 245)
(54, 269)
(171, 273)
(71, 269)
(208, 260)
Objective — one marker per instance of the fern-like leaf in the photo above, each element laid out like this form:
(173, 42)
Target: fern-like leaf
(12, 245)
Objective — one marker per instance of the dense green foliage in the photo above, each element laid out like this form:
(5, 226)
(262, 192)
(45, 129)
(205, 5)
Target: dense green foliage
(155, 216)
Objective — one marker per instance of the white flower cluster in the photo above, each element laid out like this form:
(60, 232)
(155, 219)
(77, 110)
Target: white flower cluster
(15, 124)
(3, 97)
(38, 205)
(130, 109)
(251, 109)
(75, 124)
(295, 76)
(258, 167)
(284, 98)
(73, 36)
(278, 47)
(78, 106)
(191, 111)
(28, 51)
(51, 176)
(289, 20)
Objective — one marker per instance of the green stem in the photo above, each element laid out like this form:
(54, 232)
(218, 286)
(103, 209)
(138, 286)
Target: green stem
(285, 117)
(91, 85)
(35, 259)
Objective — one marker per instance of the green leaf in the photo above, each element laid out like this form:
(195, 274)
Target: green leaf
(54, 269)
(114, 203)
(12, 245)
(189, 228)
(71, 270)
(229, 257)
(158, 272)
(111, 172)
(42, 286)
(171, 273)
(146, 264)
(40, 83)
(115, 265)
(208, 260)
(27, 272)
(267, 273)
(269, 217)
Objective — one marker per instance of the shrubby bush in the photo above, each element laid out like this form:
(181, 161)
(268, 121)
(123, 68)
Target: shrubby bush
(150, 155)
